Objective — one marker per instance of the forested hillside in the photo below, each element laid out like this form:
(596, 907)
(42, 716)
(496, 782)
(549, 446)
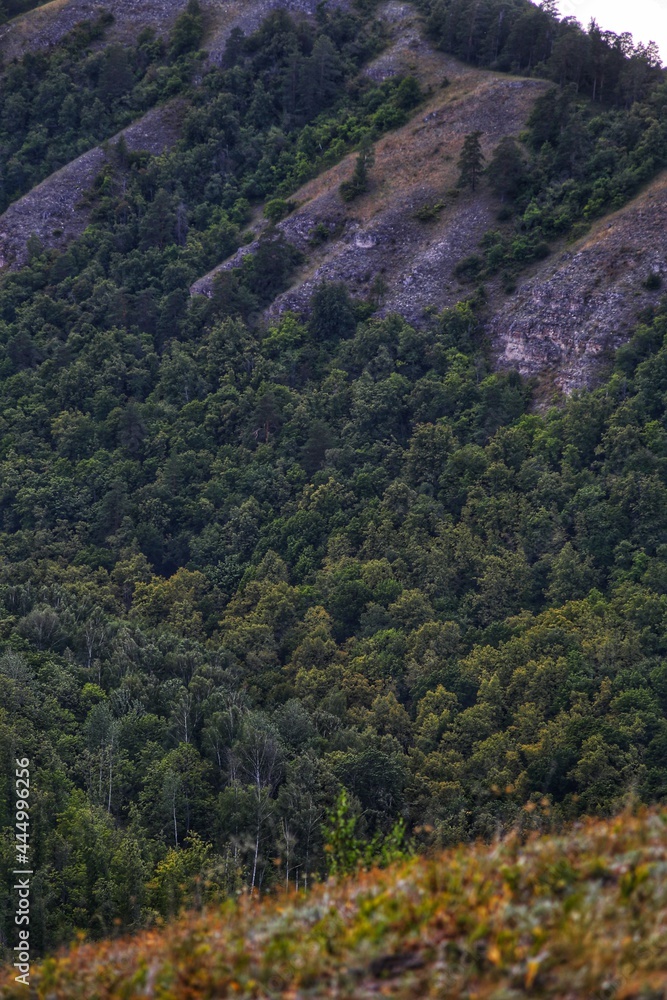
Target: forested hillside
(268, 585)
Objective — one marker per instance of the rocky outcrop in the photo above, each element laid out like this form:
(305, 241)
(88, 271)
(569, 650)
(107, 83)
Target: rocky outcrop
(585, 303)
(380, 234)
(54, 211)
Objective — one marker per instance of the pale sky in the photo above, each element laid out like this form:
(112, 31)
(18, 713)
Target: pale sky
(646, 19)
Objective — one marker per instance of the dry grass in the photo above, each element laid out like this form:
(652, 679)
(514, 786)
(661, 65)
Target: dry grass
(576, 916)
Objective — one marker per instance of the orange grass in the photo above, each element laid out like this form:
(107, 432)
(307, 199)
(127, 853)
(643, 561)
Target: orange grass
(578, 915)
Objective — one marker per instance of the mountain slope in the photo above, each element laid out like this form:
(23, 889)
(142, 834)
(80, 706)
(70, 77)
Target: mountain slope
(581, 914)
(401, 243)
(415, 167)
(55, 211)
(249, 567)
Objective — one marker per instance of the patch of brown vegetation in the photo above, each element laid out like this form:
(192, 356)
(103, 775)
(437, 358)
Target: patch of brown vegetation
(577, 308)
(54, 210)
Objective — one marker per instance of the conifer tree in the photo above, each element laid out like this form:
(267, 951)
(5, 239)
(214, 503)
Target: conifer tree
(358, 183)
(471, 161)
(506, 170)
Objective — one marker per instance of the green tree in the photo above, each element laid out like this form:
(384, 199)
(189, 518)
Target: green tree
(188, 30)
(471, 161)
(507, 169)
(332, 313)
(358, 183)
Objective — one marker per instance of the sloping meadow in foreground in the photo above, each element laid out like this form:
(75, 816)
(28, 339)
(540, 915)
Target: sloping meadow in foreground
(581, 915)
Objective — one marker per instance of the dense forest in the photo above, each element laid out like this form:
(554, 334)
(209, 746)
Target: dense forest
(276, 598)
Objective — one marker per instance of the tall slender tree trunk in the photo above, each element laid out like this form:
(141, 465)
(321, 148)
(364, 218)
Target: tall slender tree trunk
(110, 777)
(254, 861)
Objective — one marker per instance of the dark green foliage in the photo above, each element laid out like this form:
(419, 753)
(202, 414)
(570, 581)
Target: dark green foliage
(187, 31)
(56, 104)
(332, 314)
(277, 208)
(428, 213)
(522, 37)
(471, 161)
(653, 282)
(506, 171)
(409, 93)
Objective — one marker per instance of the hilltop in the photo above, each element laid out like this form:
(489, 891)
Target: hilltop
(575, 915)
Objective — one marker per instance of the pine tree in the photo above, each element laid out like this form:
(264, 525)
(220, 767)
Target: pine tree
(358, 183)
(550, 7)
(471, 161)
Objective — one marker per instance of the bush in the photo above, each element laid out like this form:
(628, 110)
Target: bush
(358, 183)
(427, 213)
(409, 93)
(277, 208)
(319, 234)
(470, 267)
(653, 282)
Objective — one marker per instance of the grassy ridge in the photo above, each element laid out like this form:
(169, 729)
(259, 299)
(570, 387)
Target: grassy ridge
(580, 914)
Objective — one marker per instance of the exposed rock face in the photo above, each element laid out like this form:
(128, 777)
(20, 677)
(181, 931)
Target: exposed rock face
(54, 211)
(586, 302)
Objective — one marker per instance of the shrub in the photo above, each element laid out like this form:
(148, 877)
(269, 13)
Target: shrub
(427, 213)
(653, 282)
(277, 208)
(470, 267)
